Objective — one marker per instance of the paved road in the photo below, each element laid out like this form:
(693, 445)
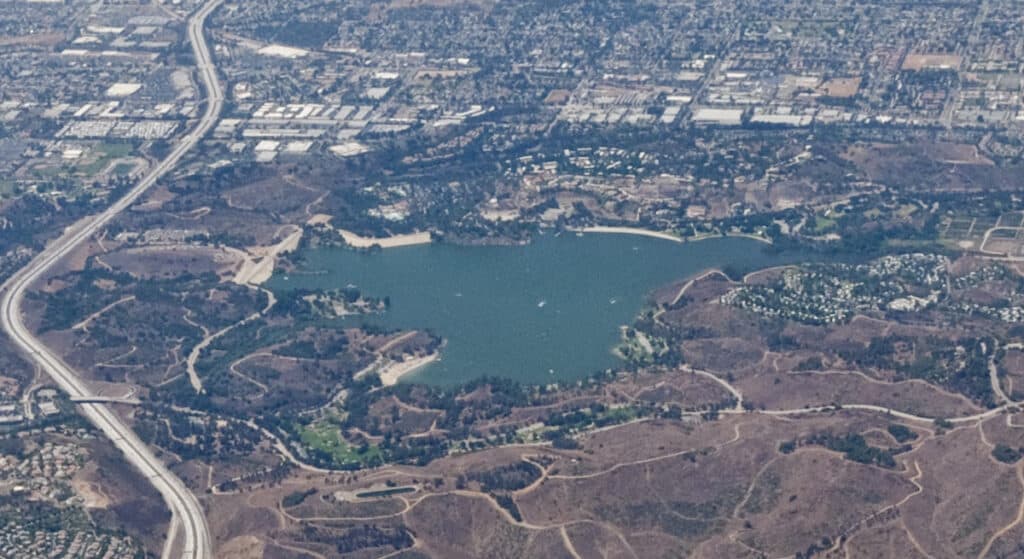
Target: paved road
(188, 517)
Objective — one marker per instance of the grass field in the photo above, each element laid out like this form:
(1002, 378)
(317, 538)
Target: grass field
(97, 159)
(823, 224)
(107, 153)
(7, 188)
(327, 438)
(122, 169)
(618, 415)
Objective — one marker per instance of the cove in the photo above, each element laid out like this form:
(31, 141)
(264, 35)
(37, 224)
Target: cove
(538, 313)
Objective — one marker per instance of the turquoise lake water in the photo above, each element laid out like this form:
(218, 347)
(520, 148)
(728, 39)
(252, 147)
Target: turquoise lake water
(537, 313)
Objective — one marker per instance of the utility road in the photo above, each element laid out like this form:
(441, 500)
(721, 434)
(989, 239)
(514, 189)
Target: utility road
(193, 542)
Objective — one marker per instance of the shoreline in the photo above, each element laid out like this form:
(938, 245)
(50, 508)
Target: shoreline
(706, 236)
(628, 231)
(393, 372)
(664, 235)
(394, 241)
(702, 276)
(424, 237)
(358, 241)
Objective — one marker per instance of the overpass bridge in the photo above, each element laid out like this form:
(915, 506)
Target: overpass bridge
(127, 400)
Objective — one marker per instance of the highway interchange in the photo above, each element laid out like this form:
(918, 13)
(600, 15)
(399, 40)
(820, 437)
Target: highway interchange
(188, 517)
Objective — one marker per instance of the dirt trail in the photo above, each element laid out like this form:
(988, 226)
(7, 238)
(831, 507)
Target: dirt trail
(396, 340)
(993, 375)
(84, 324)
(686, 286)
(193, 356)
(1016, 520)
(620, 465)
(233, 368)
(568, 543)
(732, 389)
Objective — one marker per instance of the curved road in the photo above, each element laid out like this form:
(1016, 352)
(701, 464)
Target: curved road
(187, 513)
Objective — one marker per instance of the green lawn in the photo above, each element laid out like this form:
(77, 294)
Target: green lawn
(116, 149)
(621, 415)
(49, 171)
(123, 168)
(109, 151)
(90, 169)
(7, 188)
(822, 224)
(327, 438)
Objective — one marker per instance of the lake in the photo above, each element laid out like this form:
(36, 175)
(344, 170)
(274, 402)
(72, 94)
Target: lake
(538, 313)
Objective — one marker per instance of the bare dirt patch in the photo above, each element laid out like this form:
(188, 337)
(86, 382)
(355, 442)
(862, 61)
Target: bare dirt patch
(840, 87)
(922, 61)
(92, 493)
(806, 495)
(797, 390)
(966, 495)
(170, 261)
(242, 547)
(1012, 366)
(273, 195)
(885, 541)
(591, 539)
(723, 354)
(459, 526)
(130, 500)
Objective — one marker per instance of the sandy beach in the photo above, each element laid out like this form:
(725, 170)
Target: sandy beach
(359, 241)
(391, 373)
(630, 231)
(663, 235)
(320, 219)
(408, 239)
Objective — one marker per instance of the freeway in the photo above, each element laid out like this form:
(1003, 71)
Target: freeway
(188, 518)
